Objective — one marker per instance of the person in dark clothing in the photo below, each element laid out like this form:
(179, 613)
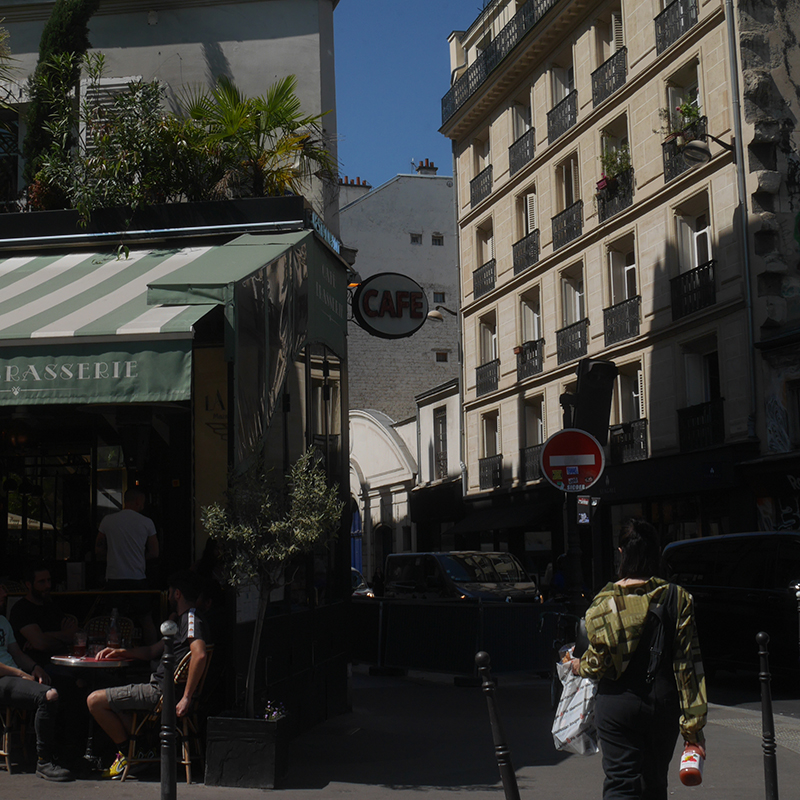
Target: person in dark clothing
(643, 702)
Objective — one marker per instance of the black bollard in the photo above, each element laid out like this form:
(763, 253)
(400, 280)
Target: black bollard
(168, 735)
(767, 720)
(502, 753)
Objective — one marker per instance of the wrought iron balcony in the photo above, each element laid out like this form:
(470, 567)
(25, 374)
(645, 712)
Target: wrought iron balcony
(561, 117)
(487, 377)
(672, 148)
(609, 76)
(505, 41)
(628, 442)
(616, 196)
(621, 321)
(702, 425)
(530, 359)
(480, 187)
(525, 252)
(693, 290)
(483, 279)
(530, 463)
(673, 22)
(572, 341)
(521, 152)
(490, 471)
(568, 225)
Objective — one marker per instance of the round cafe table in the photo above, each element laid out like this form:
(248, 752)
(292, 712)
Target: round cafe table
(98, 668)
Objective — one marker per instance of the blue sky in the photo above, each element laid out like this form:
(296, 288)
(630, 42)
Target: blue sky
(392, 69)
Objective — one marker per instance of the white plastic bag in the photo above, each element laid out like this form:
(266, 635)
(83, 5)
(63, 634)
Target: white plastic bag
(573, 728)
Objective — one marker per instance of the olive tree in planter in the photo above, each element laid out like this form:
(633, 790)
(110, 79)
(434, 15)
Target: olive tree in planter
(262, 529)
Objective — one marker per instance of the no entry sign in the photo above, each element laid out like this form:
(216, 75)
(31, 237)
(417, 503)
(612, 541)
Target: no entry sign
(572, 460)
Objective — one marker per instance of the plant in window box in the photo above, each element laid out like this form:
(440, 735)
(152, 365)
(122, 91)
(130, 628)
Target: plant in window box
(680, 123)
(614, 162)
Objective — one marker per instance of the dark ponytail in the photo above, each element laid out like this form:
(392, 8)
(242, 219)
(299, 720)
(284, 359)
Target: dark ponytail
(641, 551)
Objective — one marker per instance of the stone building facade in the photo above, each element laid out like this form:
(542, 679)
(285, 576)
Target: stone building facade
(626, 178)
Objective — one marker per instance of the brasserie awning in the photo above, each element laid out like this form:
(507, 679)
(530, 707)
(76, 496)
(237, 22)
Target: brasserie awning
(102, 327)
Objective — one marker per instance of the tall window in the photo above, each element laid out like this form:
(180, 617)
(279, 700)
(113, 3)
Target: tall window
(610, 36)
(563, 78)
(527, 212)
(534, 421)
(485, 242)
(487, 335)
(572, 295)
(683, 87)
(440, 442)
(481, 148)
(701, 361)
(530, 315)
(568, 182)
(522, 117)
(622, 270)
(490, 434)
(628, 403)
(693, 224)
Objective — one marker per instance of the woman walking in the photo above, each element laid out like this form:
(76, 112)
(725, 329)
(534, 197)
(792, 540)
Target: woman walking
(645, 698)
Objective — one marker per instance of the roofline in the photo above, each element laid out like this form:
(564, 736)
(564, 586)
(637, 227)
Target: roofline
(393, 180)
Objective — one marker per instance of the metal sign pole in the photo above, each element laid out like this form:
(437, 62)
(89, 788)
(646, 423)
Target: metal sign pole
(767, 720)
(168, 734)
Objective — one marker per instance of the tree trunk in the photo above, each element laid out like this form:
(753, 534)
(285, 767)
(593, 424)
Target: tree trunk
(250, 683)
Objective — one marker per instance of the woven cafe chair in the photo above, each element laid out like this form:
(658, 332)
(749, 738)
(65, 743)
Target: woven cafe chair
(98, 626)
(188, 727)
(9, 717)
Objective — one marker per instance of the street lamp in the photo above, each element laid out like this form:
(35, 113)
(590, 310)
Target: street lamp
(436, 314)
(697, 151)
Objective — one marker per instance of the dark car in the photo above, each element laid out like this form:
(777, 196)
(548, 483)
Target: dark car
(463, 575)
(742, 583)
(359, 586)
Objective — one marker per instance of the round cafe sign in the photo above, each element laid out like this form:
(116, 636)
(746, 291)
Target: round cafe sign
(390, 305)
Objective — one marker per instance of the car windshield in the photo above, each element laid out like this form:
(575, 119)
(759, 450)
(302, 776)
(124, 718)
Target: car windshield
(482, 568)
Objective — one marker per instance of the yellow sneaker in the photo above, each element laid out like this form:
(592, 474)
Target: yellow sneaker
(117, 768)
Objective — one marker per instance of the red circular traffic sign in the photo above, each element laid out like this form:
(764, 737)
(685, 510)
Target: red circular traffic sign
(572, 460)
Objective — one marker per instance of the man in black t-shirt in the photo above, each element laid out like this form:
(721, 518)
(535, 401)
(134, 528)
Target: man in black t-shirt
(40, 628)
(110, 707)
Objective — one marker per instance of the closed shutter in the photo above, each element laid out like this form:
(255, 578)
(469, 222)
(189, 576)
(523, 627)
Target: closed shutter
(490, 245)
(617, 31)
(531, 220)
(576, 185)
(616, 262)
(642, 405)
(685, 234)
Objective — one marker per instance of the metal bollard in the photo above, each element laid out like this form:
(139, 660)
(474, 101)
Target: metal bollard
(767, 720)
(168, 734)
(502, 753)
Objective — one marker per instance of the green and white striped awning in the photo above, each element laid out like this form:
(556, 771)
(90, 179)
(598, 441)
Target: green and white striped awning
(78, 327)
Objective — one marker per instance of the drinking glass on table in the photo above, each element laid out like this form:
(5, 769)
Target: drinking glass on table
(79, 644)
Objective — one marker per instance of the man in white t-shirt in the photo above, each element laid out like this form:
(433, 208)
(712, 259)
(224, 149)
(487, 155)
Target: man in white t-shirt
(127, 540)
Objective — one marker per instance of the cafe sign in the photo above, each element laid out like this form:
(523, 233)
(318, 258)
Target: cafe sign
(390, 305)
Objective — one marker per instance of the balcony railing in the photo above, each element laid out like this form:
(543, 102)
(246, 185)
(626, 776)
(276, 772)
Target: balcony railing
(702, 425)
(530, 463)
(530, 359)
(440, 465)
(525, 252)
(487, 377)
(621, 321)
(480, 187)
(693, 290)
(673, 22)
(609, 76)
(490, 471)
(568, 225)
(505, 41)
(562, 117)
(628, 442)
(572, 341)
(616, 196)
(521, 152)
(672, 149)
(483, 279)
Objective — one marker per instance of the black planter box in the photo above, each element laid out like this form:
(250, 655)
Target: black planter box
(246, 753)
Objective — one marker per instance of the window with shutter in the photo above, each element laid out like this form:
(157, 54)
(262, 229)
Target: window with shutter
(531, 218)
(617, 32)
(530, 316)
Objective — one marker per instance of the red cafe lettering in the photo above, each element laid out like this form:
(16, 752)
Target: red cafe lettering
(390, 305)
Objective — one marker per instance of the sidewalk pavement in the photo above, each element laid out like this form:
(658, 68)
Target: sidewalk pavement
(421, 733)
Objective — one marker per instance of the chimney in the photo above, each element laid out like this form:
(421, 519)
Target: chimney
(426, 168)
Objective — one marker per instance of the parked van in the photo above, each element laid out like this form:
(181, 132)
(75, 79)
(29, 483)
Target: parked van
(742, 583)
(464, 575)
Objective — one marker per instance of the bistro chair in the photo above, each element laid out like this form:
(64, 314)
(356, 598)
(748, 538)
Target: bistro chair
(10, 716)
(97, 627)
(188, 727)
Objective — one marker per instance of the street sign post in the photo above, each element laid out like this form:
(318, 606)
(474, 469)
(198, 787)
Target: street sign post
(572, 460)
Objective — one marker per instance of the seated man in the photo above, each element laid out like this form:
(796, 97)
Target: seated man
(109, 707)
(40, 628)
(24, 684)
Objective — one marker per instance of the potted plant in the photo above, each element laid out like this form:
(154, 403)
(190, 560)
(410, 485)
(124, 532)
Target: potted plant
(261, 530)
(517, 349)
(681, 122)
(614, 162)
